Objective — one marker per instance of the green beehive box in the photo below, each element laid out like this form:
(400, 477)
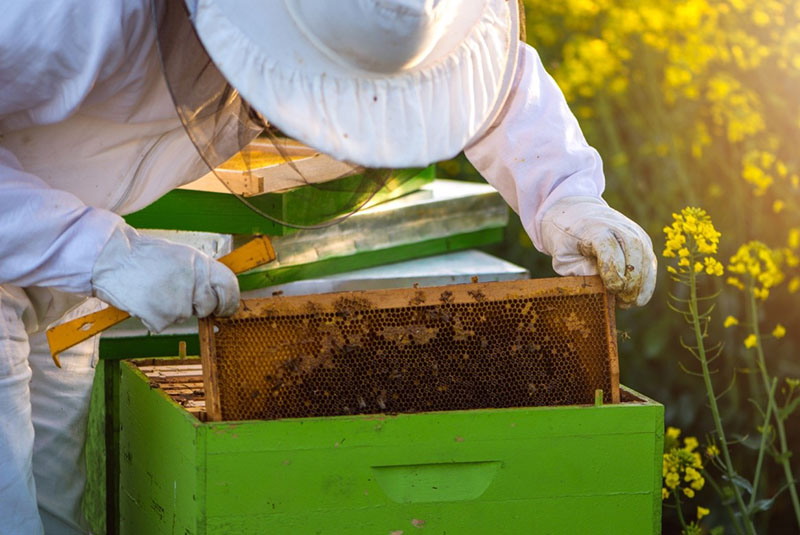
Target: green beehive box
(570, 470)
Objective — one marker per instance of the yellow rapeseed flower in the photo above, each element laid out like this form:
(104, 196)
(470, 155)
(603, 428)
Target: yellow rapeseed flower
(689, 492)
(664, 493)
(702, 512)
(681, 463)
(734, 281)
(713, 266)
(793, 285)
(750, 341)
(791, 259)
(712, 450)
(779, 331)
(762, 264)
(693, 239)
(730, 321)
(793, 241)
(672, 480)
(692, 474)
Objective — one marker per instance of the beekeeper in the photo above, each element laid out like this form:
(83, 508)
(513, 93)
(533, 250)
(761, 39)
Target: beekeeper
(89, 130)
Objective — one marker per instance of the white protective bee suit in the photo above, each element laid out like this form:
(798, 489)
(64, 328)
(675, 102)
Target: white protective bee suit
(88, 130)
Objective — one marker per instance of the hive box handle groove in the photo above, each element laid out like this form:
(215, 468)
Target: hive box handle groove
(437, 482)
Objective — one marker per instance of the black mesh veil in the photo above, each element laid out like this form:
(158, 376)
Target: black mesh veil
(220, 123)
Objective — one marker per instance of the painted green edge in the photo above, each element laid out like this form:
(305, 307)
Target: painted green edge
(329, 266)
(94, 501)
(141, 347)
(155, 406)
(111, 387)
(225, 214)
(202, 477)
(659, 447)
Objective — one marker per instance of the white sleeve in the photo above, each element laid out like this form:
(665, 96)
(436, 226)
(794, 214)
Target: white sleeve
(48, 237)
(535, 153)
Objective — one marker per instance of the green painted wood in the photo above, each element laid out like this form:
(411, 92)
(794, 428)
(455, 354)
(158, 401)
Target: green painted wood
(94, 499)
(161, 462)
(309, 205)
(658, 439)
(561, 515)
(111, 391)
(137, 347)
(534, 470)
(261, 278)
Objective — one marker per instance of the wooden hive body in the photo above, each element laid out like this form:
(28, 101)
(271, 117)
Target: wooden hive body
(539, 470)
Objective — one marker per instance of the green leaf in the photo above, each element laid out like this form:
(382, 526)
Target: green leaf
(787, 411)
(740, 482)
(762, 505)
(751, 442)
(781, 457)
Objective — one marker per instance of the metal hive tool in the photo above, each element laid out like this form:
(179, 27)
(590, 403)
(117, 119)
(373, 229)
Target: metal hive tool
(470, 346)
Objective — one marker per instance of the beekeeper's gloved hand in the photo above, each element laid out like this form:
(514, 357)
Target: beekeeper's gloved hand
(587, 237)
(162, 282)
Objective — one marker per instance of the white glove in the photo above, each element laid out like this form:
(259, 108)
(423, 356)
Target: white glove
(161, 282)
(586, 237)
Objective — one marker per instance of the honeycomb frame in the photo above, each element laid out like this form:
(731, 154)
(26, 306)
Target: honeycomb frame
(533, 342)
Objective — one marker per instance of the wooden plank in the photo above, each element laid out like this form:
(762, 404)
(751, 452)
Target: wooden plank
(209, 360)
(415, 297)
(611, 338)
(181, 379)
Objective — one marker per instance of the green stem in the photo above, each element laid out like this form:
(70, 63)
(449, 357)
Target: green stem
(763, 447)
(723, 499)
(678, 507)
(787, 467)
(712, 401)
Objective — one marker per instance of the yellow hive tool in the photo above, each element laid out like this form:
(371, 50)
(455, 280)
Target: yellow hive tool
(61, 337)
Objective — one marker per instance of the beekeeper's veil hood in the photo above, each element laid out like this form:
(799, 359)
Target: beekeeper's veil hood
(380, 83)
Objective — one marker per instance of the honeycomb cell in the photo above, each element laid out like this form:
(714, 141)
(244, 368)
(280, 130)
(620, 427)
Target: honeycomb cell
(480, 346)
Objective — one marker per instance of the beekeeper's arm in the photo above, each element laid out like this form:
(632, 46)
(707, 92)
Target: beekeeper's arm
(537, 158)
(50, 238)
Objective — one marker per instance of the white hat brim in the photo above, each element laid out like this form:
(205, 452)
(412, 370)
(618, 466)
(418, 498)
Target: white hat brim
(422, 115)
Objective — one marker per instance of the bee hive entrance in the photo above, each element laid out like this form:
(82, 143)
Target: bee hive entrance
(470, 346)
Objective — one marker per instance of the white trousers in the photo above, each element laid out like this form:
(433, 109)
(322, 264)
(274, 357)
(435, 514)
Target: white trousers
(43, 416)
